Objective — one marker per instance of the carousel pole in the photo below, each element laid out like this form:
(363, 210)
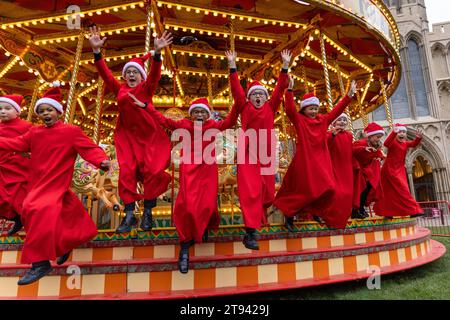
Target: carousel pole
(172, 167)
(343, 91)
(303, 72)
(148, 32)
(231, 101)
(34, 98)
(98, 109)
(325, 72)
(386, 104)
(68, 116)
(210, 91)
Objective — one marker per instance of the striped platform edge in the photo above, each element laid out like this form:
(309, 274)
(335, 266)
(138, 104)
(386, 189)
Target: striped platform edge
(225, 267)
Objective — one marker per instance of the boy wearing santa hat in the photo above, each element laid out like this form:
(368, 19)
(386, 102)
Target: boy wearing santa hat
(340, 143)
(394, 197)
(14, 166)
(142, 146)
(54, 218)
(369, 155)
(196, 206)
(309, 184)
(255, 177)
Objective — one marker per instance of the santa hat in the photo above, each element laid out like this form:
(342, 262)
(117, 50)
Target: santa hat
(200, 103)
(399, 127)
(13, 100)
(52, 97)
(344, 115)
(256, 85)
(309, 99)
(138, 63)
(373, 129)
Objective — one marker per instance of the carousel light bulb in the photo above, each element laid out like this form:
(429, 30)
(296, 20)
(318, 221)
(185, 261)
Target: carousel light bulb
(98, 12)
(197, 10)
(90, 14)
(115, 9)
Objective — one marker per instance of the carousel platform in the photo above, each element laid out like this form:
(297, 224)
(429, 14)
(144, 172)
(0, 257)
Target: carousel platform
(143, 265)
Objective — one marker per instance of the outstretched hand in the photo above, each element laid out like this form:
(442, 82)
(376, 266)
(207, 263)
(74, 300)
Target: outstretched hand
(162, 42)
(136, 101)
(352, 90)
(286, 57)
(419, 134)
(95, 40)
(231, 57)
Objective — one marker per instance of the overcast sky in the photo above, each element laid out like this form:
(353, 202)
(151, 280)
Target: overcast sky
(438, 10)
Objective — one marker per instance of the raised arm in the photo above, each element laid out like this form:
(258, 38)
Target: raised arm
(342, 104)
(390, 139)
(231, 118)
(87, 149)
(282, 83)
(237, 91)
(18, 144)
(289, 105)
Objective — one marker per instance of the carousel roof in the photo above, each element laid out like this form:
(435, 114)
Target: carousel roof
(353, 39)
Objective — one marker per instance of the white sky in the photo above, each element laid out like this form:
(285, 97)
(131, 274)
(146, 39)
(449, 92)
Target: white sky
(438, 10)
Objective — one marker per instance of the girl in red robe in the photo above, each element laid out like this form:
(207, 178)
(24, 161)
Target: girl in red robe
(14, 166)
(340, 144)
(309, 184)
(54, 218)
(394, 197)
(196, 206)
(369, 155)
(256, 176)
(142, 146)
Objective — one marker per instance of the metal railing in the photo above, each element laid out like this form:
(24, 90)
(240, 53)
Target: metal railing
(436, 218)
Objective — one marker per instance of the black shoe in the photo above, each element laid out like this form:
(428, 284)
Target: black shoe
(147, 220)
(183, 259)
(16, 227)
(356, 214)
(389, 218)
(250, 240)
(127, 223)
(289, 223)
(205, 236)
(63, 258)
(418, 215)
(318, 220)
(363, 213)
(37, 271)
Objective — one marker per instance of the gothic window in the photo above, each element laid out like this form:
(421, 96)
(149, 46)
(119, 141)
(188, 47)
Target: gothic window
(417, 78)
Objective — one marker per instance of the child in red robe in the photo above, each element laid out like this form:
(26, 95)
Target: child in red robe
(309, 184)
(196, 206)
(54, 218)
(369, 155)
(142, 146)
(340, 143)
(394, 197)
(14, 166)
(256, 176)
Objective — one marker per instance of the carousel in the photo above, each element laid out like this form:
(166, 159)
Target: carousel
(333, 42)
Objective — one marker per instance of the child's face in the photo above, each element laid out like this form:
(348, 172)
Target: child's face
(310, 111)
(401, 136)
(7, 112)
(48, 114)
(133, 77)
(375, 140)
(341, 123)
(258, 98)
(199, 114)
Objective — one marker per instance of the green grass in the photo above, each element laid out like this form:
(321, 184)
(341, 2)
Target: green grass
(427, 282)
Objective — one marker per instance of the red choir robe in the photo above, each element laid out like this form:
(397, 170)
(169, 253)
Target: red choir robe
(394, 197)
(14, 170)
(370, 169)
(341, 153)
(257, 191)
(142, 146)
(309, 184)
(55, 220)
(196, 204)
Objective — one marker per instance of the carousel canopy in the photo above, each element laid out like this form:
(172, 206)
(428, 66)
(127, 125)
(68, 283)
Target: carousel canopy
(333, 42)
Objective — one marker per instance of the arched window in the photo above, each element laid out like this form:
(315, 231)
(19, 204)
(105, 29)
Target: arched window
(417, 78)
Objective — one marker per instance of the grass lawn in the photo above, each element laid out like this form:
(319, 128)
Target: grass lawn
(431, 281)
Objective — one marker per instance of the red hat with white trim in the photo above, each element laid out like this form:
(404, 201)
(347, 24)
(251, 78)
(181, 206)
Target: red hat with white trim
(138, 63)
(53, 97)
(256, 85)
(343, 115)
(14, 100)
(373, 129)
(200, 103)
(399, 127)
(309, 99)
